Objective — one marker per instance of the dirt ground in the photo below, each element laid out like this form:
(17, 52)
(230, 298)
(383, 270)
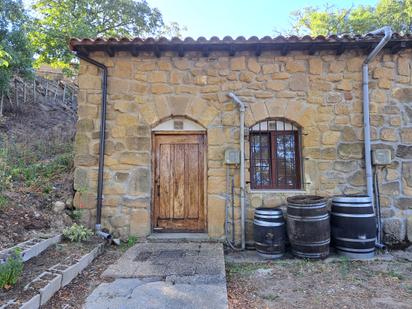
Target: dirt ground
(299, 283)
(73, 295)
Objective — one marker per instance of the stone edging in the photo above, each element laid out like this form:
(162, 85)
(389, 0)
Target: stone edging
(61, 276)
(30, 248)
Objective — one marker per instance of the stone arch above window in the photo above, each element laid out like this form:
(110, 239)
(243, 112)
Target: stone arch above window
(276, 154)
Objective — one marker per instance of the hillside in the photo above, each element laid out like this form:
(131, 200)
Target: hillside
(36, 162)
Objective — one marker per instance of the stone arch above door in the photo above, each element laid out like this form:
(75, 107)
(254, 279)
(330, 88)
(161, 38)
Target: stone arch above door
(157, 108)
(177, 124)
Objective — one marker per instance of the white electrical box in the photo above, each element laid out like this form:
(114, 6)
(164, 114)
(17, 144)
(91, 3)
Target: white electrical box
(381, 157)
(232, 156)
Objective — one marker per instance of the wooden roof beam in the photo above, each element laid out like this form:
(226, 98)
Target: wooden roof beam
(134, 51)
(340, 50)
(285, 50)
(110, 51)
(397, 47)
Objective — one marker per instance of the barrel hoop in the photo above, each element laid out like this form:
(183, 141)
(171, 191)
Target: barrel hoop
(312, 243)
(267, 223)
(352, 205)
(275, 244)
(267, 217)
(307, 206)
(355, 250)
(355, 239)
(271, 256)
(309, 219)
(307, 255)
(352, 199)
(268, 212)
(352, 215)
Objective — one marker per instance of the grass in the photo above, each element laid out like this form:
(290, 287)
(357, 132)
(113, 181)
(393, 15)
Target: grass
(33, 164)
(3, 201)
(131, 241)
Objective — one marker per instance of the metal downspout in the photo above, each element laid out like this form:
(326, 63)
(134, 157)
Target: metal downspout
(242, 109)
(387, 31)
(102, 139)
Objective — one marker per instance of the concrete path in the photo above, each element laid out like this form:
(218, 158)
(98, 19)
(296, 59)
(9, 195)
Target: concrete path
(164, 275)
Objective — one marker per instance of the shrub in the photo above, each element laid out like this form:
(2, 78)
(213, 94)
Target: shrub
(11, 270)
(77, 233)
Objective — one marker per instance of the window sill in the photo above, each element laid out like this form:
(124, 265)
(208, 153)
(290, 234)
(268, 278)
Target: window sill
(277, 191)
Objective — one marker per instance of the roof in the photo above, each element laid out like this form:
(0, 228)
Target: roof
(254, 44)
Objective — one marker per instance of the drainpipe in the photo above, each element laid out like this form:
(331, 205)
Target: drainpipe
(387, 31)
(242, 109)
(102, 139)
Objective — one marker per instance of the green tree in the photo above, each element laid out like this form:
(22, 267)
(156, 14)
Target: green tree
(354, 20)
(16, 55)
(60, 20)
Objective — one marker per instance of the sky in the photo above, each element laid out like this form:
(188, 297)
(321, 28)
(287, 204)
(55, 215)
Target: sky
(237, 17)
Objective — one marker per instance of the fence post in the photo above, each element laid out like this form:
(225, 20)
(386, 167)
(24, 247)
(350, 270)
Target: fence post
(1, 104)
(64, 92)
(47, 88)
(24, 93)
(34, 90)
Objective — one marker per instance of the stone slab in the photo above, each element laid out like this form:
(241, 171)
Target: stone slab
(33, 303)
(147, 260)
(136, 294)
(165, 275)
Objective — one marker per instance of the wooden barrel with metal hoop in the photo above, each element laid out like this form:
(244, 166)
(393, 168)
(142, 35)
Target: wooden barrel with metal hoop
(353, 224)
(308, 226)
(269, 232)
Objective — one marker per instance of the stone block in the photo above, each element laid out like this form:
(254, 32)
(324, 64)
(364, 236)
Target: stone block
(394, 230)
(406, 135)
(403, 95)
(404, 203)
(33, 303)
(161, 89)
(134, 158)
(409, 227)
(350, 151)
(389, 134)
(253, 65)
(139, 181)
(298, 82)
(276, 85)
(330, 138)
(315, 66)
(139, 222)
(50, 289)
(295, 66)
(404, 152)
(238, 63)
(390, 188)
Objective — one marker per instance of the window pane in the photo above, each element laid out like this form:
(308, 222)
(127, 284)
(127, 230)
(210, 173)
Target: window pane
(260, 159)
(285, 159)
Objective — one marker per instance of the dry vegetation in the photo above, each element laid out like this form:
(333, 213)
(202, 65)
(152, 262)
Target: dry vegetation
(316, 284)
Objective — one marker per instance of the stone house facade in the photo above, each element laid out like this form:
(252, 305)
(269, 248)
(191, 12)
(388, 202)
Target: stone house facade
(158, 87)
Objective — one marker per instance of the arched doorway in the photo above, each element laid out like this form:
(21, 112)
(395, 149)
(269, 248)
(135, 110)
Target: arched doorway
(179, 169)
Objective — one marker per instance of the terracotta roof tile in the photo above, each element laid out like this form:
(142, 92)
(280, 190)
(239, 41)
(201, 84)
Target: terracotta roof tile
(240, 43)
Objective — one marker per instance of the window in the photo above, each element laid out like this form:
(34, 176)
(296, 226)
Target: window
(275, 156)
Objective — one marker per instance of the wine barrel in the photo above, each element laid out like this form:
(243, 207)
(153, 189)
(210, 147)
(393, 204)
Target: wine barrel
(308, 226)
(353, 224)
(269, 232)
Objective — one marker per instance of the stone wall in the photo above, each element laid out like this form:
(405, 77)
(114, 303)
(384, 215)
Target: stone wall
(321, 92)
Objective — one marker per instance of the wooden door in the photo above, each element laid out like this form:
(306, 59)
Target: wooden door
(179, 183)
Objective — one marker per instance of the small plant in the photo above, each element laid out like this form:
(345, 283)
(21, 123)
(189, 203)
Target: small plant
(3, 201)
(77, 233)
(131, 241)
(11, 270)
(76, 214)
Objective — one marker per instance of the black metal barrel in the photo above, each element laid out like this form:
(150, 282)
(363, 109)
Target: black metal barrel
(353, 224)
(308, 226)
(269, 232)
